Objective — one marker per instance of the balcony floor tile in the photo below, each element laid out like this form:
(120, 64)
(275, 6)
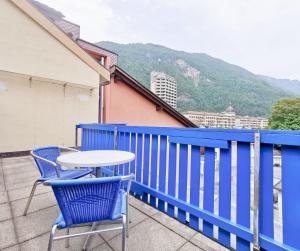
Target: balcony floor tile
(7, 234)
(189, 247)
(150, 235)
(149, 228)
(175, 225)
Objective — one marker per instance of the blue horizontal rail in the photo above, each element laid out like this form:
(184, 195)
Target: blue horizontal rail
(215, 143)
(178, 171)
(281, 139)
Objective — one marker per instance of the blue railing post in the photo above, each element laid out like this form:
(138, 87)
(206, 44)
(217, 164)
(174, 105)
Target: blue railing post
(115, 138)
(76, 136)
(256, 191)
(115, 146)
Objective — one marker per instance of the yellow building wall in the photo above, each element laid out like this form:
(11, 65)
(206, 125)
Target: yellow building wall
(26, 48)
(45, 89)
(37, 113)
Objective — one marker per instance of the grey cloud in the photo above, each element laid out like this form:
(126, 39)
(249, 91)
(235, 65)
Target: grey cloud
(260, 35)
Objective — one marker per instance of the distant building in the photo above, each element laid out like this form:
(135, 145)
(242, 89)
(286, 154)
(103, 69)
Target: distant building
(226, 119)
(165, 87)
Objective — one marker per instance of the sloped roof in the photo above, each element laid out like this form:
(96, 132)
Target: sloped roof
(48, 11)
(160, 104)
(29, 9)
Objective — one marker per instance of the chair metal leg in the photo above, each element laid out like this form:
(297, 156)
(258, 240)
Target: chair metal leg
(127, 216)
(67, 244)
(51, 237)
(30, 196)
(89, 236)
(124, 223)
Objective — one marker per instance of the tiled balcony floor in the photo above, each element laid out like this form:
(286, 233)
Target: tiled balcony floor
(149, 228)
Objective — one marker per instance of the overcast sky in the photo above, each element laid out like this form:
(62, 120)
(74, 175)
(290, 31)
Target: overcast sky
(261, 35)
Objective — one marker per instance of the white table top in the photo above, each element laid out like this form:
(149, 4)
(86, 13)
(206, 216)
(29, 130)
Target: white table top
(95, 159)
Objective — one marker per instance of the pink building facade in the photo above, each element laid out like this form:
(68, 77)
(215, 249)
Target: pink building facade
(127, 101)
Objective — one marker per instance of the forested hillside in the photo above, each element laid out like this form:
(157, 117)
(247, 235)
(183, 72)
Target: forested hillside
(204, 83)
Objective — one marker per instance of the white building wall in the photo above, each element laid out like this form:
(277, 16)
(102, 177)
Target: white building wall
(36, 113)
(26, 48)
(45, 89)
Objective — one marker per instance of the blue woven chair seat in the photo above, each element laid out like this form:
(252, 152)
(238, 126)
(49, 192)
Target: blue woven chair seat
(89, 200)
(69, 174)
(46, 161)
(48, 171)
(120, 208)
(83, 201)
(60, 221)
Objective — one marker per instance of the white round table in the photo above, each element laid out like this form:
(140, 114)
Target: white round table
(95, 159)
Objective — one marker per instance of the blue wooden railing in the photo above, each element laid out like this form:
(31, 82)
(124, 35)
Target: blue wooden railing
(168, 176)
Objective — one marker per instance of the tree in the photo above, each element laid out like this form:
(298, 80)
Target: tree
(285, 115)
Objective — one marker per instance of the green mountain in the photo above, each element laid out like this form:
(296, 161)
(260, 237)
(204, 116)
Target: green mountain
(288, 85)
(204, 83)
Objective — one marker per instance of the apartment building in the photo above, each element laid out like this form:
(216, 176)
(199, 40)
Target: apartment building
(165, 87)
(226, 119)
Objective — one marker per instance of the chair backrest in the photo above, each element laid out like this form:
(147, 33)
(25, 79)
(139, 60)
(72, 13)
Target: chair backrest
(49, 153)
(86, 200)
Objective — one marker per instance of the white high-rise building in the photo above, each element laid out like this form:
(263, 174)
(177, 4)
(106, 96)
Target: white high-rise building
(165, 87)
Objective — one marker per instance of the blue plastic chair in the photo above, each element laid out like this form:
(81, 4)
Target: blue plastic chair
(45, 159)
(89, 201)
